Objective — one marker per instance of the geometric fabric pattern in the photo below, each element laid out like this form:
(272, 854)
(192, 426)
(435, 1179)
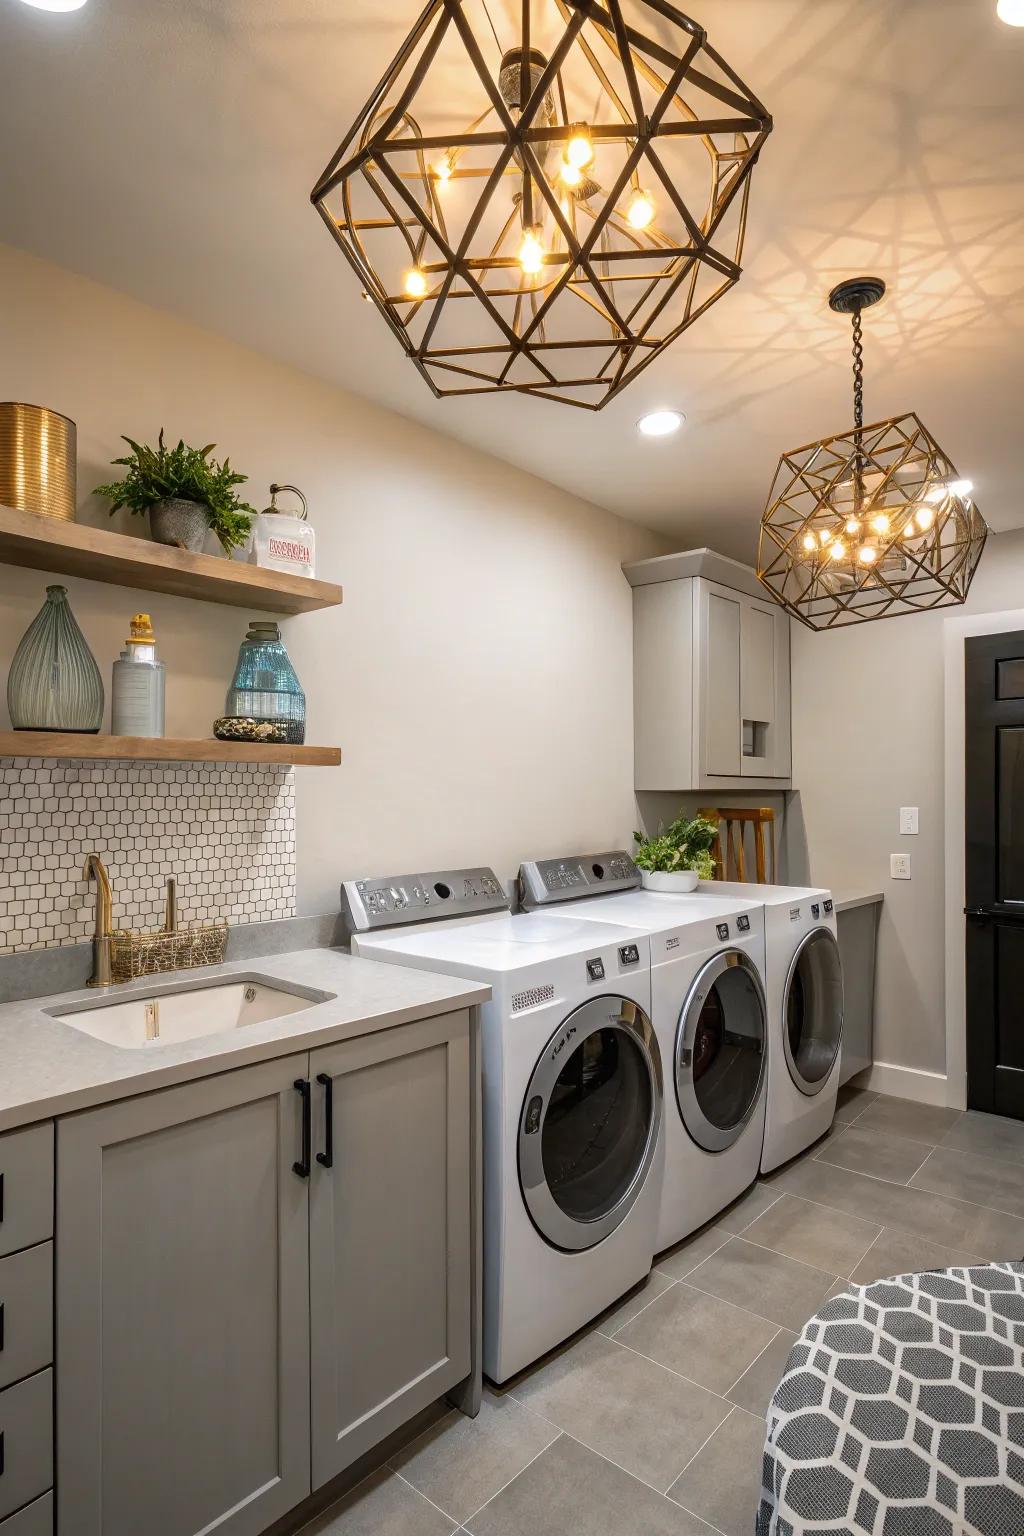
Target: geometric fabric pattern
(901, 1412)
(541, 198)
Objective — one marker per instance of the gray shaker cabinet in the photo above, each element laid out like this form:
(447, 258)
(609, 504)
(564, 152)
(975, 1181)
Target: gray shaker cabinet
(182, 1309)
(390, 1293)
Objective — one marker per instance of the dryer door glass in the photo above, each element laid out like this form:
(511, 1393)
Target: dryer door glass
(720, 1050)
(589, 1124)
(813, 1022)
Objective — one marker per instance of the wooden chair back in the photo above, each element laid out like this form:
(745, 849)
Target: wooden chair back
(728, 851)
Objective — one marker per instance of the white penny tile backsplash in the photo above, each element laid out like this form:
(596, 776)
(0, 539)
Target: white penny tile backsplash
(225, 832)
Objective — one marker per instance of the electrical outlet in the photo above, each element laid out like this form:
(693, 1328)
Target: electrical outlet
(909, 824)
(899, 866)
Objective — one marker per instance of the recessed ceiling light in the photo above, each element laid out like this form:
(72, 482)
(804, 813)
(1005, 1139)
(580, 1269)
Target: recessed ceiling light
(55, 5)
(1011, 11)
(660, 423)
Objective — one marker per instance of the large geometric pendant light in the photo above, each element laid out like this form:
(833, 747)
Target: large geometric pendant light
(873, 522)
(542, 196)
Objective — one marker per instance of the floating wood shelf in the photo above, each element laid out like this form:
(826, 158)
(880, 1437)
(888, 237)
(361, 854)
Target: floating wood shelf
(73, 549)
(164, 749)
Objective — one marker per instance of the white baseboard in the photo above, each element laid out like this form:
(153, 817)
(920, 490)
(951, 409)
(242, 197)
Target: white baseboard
(903, 1082)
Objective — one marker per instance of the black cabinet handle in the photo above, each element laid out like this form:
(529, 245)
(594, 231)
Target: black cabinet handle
(326, 1157)
(302, 1166)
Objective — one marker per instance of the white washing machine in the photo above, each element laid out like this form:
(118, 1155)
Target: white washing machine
(573, 1095)
(709, 1011)
(805, 1006)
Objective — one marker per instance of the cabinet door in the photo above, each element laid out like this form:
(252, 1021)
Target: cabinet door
(720, 679)
(757, 689)
(182, 1309)
(390, 1261)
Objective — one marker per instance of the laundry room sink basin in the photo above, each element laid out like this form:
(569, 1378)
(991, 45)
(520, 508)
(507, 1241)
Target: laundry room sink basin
(184, 1013)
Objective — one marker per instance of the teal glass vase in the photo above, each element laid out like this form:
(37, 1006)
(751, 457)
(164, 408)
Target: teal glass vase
(54, 683)
(265, 688)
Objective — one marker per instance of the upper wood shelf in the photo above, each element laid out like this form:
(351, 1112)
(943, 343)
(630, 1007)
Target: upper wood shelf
(162, 749)
(73, 549)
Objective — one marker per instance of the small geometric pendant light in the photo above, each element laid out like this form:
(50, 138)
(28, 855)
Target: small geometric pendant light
(873, 522)
(542, 200)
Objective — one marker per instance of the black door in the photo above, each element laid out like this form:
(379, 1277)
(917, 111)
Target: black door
(995, 873)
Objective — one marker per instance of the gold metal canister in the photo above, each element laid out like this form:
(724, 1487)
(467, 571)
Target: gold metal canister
(38, 460)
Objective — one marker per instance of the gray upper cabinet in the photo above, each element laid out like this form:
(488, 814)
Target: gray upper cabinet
(711, 678)
(182, 1309)
(390, 1293)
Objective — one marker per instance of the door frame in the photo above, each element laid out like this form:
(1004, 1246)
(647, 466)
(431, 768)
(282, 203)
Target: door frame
(954, 632)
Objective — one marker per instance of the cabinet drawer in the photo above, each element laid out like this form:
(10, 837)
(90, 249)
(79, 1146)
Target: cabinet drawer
(26, 1439)
(35, 1520)
(26, 1312)
(26, 1187)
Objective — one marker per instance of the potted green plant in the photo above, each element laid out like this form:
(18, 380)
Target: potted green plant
(186, 493)
(678, 857)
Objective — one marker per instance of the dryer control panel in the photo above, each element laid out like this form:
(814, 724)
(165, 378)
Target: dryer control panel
(387, 900)
(542, 882)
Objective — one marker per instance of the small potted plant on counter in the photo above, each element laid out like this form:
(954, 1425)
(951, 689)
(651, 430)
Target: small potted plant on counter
(676, 859)
(186, 493)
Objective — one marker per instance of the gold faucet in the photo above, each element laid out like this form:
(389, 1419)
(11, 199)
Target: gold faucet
(94, 870)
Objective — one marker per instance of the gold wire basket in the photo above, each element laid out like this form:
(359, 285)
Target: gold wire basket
(156, 951)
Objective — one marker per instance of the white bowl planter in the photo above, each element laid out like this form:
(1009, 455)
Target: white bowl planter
(669, 885)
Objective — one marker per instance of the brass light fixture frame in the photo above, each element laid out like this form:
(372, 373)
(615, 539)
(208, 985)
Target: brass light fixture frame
(609, 297)
(873, 522)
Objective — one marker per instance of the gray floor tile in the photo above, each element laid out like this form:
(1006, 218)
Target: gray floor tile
(768, 1284)
(641, 1416)
(723, 1482)
(754, 1389)
(953, 1223)
(571, 1490)
(852, 1102)
(460, 1463)
(679, 1261)
(747, 1208)
(814, 1234)
(987, 1181)
(902, 1117)
(901, 1253)
(617, 1317)
(988, 1136)
(381, 1505)
(710, 1341)
(875, 1153)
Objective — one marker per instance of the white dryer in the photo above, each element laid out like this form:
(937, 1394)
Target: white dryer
(710, 1016)
(805, 1000)
(573, 1096)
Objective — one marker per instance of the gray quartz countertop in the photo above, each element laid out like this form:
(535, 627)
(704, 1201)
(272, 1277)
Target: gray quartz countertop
(846, 900)
(49, 1068)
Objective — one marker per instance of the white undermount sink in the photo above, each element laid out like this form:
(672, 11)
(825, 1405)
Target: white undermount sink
(166, 1018)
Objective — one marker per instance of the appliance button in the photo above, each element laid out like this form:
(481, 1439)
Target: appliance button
(531, 1124)
(723, 930)
(629, 954)
(815, 909)
(828, 906)
(595, 970)
(743, 924)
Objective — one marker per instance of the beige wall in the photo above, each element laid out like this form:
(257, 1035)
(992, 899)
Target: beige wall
(478, 675)
(868, 737)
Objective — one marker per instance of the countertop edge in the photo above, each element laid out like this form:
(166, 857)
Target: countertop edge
(846, 902)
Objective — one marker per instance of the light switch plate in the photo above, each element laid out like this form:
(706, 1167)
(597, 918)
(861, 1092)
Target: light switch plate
(909, 824)
(899, 866)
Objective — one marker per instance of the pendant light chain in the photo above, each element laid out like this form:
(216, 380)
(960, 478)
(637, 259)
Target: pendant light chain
(858, 372)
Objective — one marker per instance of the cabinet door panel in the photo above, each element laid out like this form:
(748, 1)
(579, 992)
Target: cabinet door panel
(389, 1234)
(182, 1310)
(757, 689)
(721, 701)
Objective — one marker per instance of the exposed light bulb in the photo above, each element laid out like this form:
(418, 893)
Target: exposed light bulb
(415, 283)
(852, 526)
(442, 169)
(867, 554)
(964, 488)
(660, 423)
(641, 210)
(55, 5)
(826, 535)
(580, 149)
(570, 174)
(1011, 11)
(810, 543)
(531, 253)
(837, 549)
(924, 517)
(880, 524)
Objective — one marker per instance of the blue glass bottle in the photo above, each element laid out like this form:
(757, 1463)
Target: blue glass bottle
(265, 688)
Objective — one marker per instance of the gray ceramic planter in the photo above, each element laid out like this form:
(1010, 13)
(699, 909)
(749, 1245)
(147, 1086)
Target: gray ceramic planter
(183, 524)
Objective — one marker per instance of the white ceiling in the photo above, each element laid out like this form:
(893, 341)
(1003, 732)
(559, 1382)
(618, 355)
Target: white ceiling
(168, 149)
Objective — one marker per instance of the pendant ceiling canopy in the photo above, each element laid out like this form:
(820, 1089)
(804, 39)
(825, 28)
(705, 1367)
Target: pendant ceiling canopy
(873, 522)
(541, 197)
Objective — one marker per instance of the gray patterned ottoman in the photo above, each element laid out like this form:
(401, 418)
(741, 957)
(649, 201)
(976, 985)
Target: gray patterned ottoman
(901, 1412)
